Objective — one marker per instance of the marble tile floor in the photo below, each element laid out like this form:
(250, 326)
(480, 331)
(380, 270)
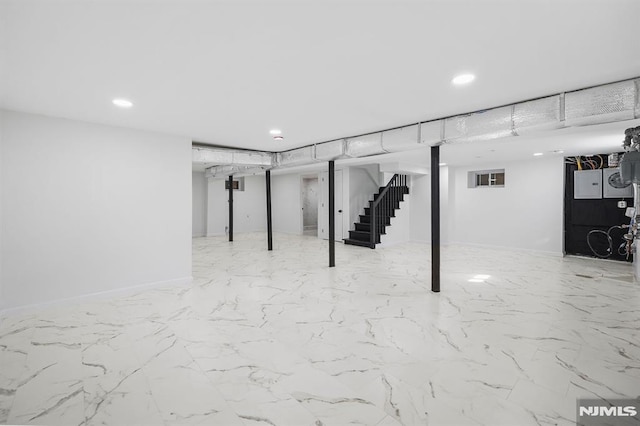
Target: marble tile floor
(278, 338)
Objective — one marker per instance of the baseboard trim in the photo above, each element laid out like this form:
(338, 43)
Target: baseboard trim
(492, 247)
(93, 297)
(516, 249)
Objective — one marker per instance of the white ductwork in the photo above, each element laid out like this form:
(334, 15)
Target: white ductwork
(330, 150)
(602, 104)
(402, 139)
(222, 156)
(296, 157)
(211, 155)
(538, 115)
(364, 146)
(432, 132)
(224, 171)
(479, 126)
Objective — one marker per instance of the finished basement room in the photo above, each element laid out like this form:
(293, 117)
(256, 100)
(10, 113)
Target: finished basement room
(319, 213)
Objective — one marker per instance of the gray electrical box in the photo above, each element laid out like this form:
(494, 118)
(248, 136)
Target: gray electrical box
(610, 185)
(587, 184)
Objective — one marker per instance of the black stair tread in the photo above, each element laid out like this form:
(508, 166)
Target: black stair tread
(361, 236)
(349, 241)
(365, 218)
(366, 227)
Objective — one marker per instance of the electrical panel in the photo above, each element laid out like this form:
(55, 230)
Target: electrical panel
(611, 186)
(587, 184)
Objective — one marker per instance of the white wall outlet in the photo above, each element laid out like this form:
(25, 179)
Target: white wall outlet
(622, 204)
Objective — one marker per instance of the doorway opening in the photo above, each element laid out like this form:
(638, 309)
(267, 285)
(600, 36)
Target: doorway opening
(310, 206)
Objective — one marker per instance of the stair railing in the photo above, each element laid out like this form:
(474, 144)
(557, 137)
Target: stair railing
(384, 204)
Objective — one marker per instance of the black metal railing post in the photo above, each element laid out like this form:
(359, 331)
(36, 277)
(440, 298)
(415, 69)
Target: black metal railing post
(269, 230)
(373, 220)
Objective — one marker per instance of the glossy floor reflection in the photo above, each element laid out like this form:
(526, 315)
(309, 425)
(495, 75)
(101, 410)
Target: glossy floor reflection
(277, 338)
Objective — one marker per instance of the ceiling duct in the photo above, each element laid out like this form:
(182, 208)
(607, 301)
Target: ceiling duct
(253, 158)
(330, 150)
(211, 155)
(479, 126)
(224, 171)
(538, 115)
(221, 171)
(602, 104)
(365, 145)
(296, 157)
(402, 139)
(221, 156)
(432, 132)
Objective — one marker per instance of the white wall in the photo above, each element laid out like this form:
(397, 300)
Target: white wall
(400, 229)
(249, 206)
(420, 208)
(1, 192)
(199, 204)
(286, 204)
(525, 214)
(362, 186)
(89, 208)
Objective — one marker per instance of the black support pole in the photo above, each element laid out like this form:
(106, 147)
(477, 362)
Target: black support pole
(332, 216)
(269, 231)
(230, 208)
(435, 219)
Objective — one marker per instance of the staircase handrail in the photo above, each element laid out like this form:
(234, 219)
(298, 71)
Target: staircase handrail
(396, 181)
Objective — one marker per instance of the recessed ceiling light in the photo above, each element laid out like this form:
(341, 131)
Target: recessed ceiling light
(537, 154)
(442, 164)
(463, 79)
(123, 103)
(481, 277)
(278, 137)
(475, 280)
(275, 131)
(558, 151)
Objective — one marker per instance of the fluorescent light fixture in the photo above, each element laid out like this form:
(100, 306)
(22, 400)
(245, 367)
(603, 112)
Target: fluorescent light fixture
(122, 103)
(475, 280)
(442, 164)
(463, 79)
(275, 132)
(482, 277)
(537, 154)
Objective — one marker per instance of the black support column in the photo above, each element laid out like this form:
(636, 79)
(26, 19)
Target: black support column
(332, 215)
(269, 231)
(230, 208)
(435, 219)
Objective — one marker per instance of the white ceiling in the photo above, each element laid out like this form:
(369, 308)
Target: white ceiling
(225, 72)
